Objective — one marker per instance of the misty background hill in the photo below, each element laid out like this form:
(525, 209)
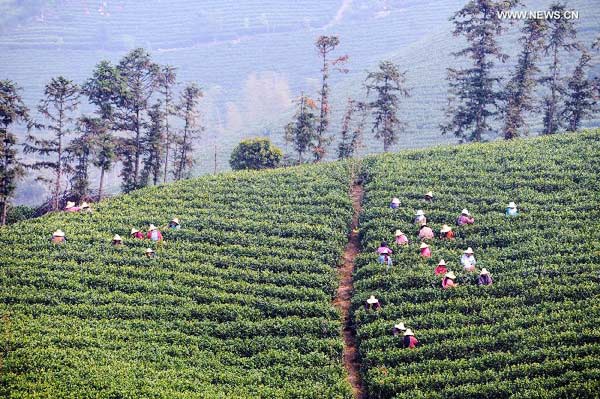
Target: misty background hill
(254, 57)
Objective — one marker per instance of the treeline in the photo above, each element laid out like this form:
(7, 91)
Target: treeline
(136, 105)
(477, 95)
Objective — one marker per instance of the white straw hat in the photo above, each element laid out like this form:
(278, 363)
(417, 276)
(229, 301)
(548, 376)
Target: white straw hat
(420, 212)
(469, 251)
(134, 230)
(442, 262)
(465, 212)
(400, 326)
(395, 200)
(450, 275)
(429, 194)
(408, 332)
(149, 250)
(175, 220)
(512, 205)
(445, 229)
(70, 204)
(58, 233)
(117, 238)
(152, 227)
(372, 300)
(85, 205)
(398, 233)
(424, 245)
(484, 271)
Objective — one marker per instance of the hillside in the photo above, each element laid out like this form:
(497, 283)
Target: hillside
(534, 332)
(253, 58)
(237, 303)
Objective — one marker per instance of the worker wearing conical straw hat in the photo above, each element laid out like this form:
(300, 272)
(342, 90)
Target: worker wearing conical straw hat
(150, 253)
(395, 204)
(429, 196)
(448, 280)
(424, 250)
(446, 233)
(484, 277)
(409, 341)
(468, 261)
(135, 233)
(441, 268)
(58, 237)
(400, 238)
(372, 303)
(70, 207)
(398, 329)
(511, 209)
(154, 234)
(117, 241)
(420, 218)
(174, 224)
(425, 232)
(465, 218)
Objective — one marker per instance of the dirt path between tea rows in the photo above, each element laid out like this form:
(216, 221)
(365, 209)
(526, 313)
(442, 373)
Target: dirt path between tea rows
(344, 294)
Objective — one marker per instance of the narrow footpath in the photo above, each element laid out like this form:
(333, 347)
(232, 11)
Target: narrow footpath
(344, 294)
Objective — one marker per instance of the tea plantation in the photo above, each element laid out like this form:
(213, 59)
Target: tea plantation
(236, 304)
(534, 333)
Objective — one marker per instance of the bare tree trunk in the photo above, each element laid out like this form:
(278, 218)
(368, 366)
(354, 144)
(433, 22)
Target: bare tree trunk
(101, 185)
(4, 211)
(137, 149)
(167, 141)
(59, 163)
(4, 178)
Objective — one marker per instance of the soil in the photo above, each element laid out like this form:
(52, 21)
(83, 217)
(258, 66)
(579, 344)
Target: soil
(344, 294)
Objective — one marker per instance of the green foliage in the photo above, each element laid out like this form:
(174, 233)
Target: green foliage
(389, 84)
(534, 332)
(581, 98)
(256, 153)
(302, 131)
(473, 91)
(237, 303)
(19, 213)
(188, 111)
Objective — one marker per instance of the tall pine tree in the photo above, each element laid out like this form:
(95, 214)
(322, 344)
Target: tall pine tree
(302, 131)
(104, 151)
(473, 95)
(580, 97)
(139, 80)
(153, 143)
(188, 111)
(389, 84)
(166, 82)
(561, 37)
(80, 156)
(61, 99)
(12, 111)
(520, 90)
(325, 45)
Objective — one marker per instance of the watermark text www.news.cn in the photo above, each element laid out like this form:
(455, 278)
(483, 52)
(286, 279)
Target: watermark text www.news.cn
(547, 14)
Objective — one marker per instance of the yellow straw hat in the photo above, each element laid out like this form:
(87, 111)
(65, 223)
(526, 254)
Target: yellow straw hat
(134, 230)
(175, 220)
(424, 245)
(445, 228)
(399, 233)
(450, 275)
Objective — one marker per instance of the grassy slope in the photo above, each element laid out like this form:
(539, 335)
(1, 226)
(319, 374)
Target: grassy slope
(238, 303)
(534, 333)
